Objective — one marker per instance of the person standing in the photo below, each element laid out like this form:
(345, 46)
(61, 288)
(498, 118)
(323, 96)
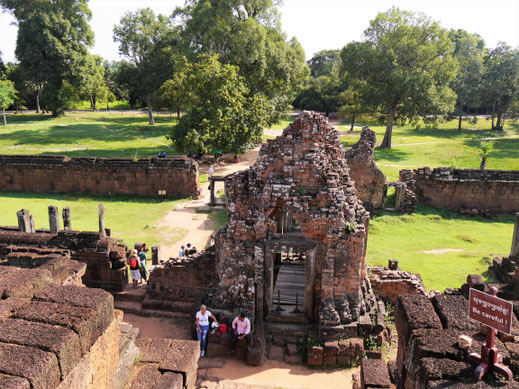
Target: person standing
(142, 260)
(135, 268)
(202, 326)
(241, 330)
(182, 252)
(211, 170)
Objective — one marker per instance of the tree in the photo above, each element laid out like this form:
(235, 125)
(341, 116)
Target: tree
(469, 52)
(321, 94)
(405, 65)
(7, 96)
(221, 114)
(501, 81)
(52, 42)
(148, 41)
(247, 34)
(350, 104)
(93, 85)
(174, 93)
(324, 62)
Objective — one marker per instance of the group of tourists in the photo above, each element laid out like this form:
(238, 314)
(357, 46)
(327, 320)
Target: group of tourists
(137, 262)
(187, 251)
(240, 329)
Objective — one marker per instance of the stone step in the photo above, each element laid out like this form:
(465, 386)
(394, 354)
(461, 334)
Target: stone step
(131, 294)
(128, 353)
(282, 329)
(135, 308)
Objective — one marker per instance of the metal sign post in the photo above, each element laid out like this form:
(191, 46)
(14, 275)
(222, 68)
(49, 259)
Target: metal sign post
(495, 314)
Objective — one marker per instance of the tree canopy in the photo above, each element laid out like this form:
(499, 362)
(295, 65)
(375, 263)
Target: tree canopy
(7, 96)
(405, 65)
(221, 114)
(52, 42)
(148, 41)
(247, 34)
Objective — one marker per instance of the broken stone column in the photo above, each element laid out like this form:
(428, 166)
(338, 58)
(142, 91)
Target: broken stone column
(31, 218)
(156, 254)
(24, 220)
(515, 239)
(67, 226)
(102, 231)
(53, 219)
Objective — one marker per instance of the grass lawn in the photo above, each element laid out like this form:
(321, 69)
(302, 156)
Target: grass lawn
(444, 146)
(411, 239)
(120, 134)
(131, 219)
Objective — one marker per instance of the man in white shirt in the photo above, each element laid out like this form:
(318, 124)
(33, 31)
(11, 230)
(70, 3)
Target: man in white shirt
(181, 253)
(241, 330)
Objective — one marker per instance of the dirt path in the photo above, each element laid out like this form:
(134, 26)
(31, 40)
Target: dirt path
(273, 374)
(198, 224)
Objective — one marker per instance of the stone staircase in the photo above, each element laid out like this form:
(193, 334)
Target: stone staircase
(128, 353)
(283, 339)
(133, 301)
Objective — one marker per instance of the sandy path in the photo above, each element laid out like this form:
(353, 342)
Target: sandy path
(276, 374)
(199, 226)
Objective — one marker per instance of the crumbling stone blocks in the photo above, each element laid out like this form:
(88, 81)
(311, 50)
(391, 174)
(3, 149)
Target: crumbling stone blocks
(58, 340)
(350, 350)
(38, 366)
(452, 311)
(146, 378)
(374, 374)
(153, 350)
(169, 381)
(13, 382)
(331, 350)
(182, 358)
(16, 282)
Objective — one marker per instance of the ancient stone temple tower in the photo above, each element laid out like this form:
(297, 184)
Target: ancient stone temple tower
(296, 231)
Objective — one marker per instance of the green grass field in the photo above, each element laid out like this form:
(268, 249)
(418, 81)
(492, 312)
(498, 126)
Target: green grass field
(130, 219)
(443, 146)
(402, 237)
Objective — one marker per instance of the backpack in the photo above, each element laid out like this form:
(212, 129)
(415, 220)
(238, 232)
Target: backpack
(222, 329)
(133, 262)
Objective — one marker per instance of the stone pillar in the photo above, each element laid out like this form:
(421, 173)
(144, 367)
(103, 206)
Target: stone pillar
(515, 239)
(102, 231)
(53, 219)
(211, 189)
(156, 253)
(24, 220)
(31, 219)
(67, 225)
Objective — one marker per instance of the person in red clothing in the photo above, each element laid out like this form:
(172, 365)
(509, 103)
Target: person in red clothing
(241, 330)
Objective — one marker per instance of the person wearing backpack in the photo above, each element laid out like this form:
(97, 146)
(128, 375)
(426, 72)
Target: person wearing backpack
(142, 259)
(135, 268)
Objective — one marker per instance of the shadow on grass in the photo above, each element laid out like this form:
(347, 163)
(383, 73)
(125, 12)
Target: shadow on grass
(101, 199)
(393, 155)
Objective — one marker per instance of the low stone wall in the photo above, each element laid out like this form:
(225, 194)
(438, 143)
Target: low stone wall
(99, 176)
(483, 190)
(389, 283)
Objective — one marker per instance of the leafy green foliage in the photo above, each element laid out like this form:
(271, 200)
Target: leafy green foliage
(93, 84)
(53, 37)
(501, 81)
(403, 68)
(247, 34)
(7, 96)
(148, 41)
(220, 112)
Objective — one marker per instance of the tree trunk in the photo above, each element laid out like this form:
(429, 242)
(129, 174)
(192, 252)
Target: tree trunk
(386, 143)
(483, 164)
(493, 114)
(94, 103)
(459, 123)
(352, 122)
(150, 112)
(38, 109)
(499, 124)
(5, 120)
(178, 113)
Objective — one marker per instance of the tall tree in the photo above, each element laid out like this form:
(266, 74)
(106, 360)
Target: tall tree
(148, 41)
(247, 34)
(501, 81)
(52, 42)
(7, 96)
(220, 112)
(321, 94)
(324, 62)
(93, 85)
(469, 52)
(405, 65)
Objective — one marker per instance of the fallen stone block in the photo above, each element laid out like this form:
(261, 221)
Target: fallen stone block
(182, 358)
(169, 381)
(146, 378)
(315, 356)
(374, 374)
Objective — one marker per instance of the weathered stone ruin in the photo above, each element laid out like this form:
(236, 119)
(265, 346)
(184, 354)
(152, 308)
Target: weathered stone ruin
(295, 204)
(366, 176)
(65, 252)
(467, 190)
(176, 176)
(68, 337)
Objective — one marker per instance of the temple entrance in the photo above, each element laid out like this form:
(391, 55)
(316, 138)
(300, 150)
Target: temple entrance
(289, 280)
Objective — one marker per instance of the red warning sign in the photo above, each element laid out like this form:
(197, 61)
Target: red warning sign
(490, 310)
